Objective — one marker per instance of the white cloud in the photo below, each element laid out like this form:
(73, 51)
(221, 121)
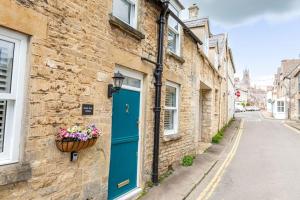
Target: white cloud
(237, 12)
(262, 80)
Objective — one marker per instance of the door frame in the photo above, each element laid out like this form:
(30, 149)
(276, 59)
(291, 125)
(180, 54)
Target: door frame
(137, 75)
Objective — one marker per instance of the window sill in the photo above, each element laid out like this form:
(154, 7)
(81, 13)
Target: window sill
(175, 56)
(114, 21)
(14, 173)
(171, 137)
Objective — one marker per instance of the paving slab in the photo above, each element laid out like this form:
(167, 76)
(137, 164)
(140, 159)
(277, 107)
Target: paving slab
(184, 180)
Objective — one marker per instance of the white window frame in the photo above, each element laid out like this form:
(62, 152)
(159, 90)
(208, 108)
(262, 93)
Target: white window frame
(283, 106)
(133, 12)
(176, 32)
(176, 115)
(15, 98)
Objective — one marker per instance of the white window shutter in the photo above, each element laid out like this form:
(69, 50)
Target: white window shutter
(6, 63)
(2, 123)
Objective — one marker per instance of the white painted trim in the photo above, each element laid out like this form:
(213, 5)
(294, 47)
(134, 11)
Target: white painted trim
(176, 120)
(129, 195)
(133, 16)
(177, 32)
(16, 98)
(136, 75)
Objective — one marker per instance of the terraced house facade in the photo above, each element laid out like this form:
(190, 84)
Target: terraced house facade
(57, 62)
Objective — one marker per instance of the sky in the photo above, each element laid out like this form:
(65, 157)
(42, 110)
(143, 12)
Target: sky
(261, 32)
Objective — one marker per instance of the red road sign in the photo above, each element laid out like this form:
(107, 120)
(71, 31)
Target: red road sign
(238, 94)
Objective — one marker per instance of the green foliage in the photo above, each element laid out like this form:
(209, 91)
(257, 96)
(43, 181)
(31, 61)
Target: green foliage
(149, 184)
(187, 160)
(219, 136)
(165, 175)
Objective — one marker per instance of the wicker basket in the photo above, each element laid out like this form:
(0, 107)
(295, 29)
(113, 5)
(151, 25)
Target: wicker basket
(69, 146)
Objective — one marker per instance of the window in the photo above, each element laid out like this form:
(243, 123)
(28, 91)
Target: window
(280, 106)
(171, 108)
(12, 64)
(125, 10)
(173, 32)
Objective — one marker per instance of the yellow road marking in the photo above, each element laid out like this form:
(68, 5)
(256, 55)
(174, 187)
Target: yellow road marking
(207, 192)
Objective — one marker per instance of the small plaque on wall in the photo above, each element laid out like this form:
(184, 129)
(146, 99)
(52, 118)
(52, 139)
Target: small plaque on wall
(87, 109)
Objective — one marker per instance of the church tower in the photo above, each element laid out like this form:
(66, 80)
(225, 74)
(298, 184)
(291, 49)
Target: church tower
(246, 78)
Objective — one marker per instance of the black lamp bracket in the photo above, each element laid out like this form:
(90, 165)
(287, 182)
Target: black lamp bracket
(111, 89)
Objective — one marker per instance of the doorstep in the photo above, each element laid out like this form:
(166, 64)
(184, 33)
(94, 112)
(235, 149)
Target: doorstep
(184, 180)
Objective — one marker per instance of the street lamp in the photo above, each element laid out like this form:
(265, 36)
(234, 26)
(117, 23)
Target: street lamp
(118, 79)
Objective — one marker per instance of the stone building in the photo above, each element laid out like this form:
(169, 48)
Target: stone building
(230, 84)
(56, 57)
(251, 95)
(285, 95)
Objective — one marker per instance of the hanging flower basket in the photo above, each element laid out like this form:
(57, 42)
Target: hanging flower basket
(70, 146)
(75, 138)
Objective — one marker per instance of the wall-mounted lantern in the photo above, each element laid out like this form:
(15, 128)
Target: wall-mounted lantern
(118, 79)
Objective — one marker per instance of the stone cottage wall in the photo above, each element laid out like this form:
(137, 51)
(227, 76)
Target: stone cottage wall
(71, 59)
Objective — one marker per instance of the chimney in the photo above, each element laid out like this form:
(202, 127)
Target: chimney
(193, 11)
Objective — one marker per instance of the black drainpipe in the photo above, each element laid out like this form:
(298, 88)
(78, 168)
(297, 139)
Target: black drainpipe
(158, 83)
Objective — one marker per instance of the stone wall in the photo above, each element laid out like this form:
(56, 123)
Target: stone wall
(71, 59)
(295, 97)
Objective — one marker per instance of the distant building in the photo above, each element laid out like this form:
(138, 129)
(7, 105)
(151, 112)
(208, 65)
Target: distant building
(246, 78)
(285, 97)
(250, 95)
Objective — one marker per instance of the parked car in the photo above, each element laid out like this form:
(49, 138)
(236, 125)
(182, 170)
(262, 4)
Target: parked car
(256, 108)
(249, 108)
(239, 108)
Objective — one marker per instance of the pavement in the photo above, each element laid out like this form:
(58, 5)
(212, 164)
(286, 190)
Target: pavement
(257, 160)
(294, 124)
(265, 166)
(267, 115)
(184, 180)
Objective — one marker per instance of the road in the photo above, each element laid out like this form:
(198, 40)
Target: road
(266, 165)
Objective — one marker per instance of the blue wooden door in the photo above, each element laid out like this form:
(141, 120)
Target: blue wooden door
(124, 145)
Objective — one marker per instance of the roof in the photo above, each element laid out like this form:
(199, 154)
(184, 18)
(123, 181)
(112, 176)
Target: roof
(193, 23)
(231, 58)
(213, 42)
(289, 66)
(222, 40)
(178, 3)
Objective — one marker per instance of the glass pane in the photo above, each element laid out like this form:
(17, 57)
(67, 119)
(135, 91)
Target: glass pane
(173, 23)
(170, 96)
(172, 41)
(132, 82)
(121, 9)
(169, 119)
(2, 123)
(6, 65)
